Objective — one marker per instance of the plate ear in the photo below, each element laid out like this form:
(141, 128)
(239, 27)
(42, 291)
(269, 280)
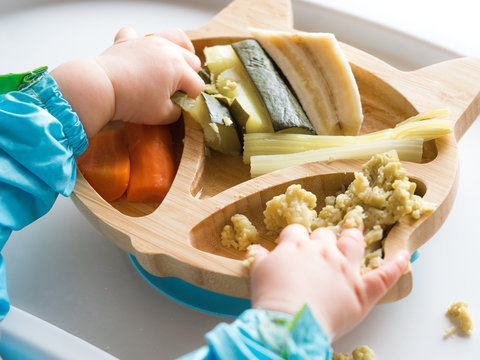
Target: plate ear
(235, 19)
(453, 83)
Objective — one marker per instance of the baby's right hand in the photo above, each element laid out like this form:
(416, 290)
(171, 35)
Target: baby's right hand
(146, 71)
(132, 81)
(325, 272)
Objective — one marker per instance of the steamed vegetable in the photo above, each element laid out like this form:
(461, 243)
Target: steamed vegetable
(428, 126)
(219, 130)
(407, 149)
(232, 81)
(106, 164)
(283, 107)
(152, 162)
(320, 75)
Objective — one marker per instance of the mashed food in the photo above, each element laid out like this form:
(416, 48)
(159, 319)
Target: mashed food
(242, 234)
(384, 192)
(296, 206)
(360, 353)
(459, 313)
(378, 197)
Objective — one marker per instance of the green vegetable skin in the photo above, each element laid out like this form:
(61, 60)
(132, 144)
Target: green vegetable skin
(286, 113)
(230, 80)
(229, 134)
(245, 93)
(219, 131)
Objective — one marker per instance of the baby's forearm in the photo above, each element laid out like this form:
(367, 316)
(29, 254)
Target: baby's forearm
(86, 86)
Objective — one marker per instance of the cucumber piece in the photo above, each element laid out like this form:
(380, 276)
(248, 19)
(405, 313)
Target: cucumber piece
(284, 109)
(232, 81)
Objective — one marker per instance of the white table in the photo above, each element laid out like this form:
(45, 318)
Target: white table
(60, 269)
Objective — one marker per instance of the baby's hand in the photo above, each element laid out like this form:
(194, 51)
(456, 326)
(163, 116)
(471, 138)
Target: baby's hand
(325, 272)
(146, 71)
(132, 81)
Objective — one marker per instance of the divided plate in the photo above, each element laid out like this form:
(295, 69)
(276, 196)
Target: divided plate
(181, 236)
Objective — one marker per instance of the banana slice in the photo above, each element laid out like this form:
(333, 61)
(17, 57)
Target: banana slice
(321, 77)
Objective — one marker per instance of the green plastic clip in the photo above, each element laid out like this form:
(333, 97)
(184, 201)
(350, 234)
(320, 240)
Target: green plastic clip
(13, 82)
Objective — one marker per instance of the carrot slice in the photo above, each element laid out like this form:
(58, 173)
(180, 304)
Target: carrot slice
(106, 164)
(152, 162)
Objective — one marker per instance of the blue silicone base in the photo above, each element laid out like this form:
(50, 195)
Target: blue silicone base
(201, 299)
(194, 296)
(415, 256)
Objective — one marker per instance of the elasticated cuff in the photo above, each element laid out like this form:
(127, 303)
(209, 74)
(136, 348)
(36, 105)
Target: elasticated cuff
(45, 90)
(263, 334)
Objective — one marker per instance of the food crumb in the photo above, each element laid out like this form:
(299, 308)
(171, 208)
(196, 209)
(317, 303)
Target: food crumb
(252, 252)
(459, 313)
(296, 206)
(380, 194)
(360, 353)
(230, 85)
(242, 234)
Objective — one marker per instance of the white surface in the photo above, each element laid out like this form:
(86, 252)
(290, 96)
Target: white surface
(452, 24)
(25, 336)
(63, 271)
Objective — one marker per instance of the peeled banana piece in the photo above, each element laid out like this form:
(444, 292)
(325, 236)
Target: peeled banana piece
(321, 77)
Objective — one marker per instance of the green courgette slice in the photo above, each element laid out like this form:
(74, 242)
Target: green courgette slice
(284, 109)
(220, 132)
(233, 83)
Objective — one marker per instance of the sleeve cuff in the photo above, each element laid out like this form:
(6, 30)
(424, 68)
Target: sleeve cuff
(295, 337)
(45, 90)
(263, 334)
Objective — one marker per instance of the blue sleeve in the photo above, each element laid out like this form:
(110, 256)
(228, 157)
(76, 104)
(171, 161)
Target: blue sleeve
(40, 136)
(266, 335)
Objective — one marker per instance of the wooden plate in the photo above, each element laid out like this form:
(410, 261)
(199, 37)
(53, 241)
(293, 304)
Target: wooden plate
(181, 236)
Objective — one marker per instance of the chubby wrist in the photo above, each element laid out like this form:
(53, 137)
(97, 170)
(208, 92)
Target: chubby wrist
(89, 91)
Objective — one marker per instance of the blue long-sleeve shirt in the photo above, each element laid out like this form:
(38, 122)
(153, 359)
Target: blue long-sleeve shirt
(40, 136)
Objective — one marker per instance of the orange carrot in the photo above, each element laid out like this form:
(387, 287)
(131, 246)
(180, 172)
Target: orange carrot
(106, 164)
(152, 162)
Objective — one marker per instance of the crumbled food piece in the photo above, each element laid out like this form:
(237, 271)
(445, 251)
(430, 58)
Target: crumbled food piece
(241, 235)
(360, 353)
(450, 331)
(353, 218)
(459, 312)
(384, 192)
(372, 260)
(227, 121)
(210, 89)
(252, 252)
(230, 85)
(342, 356)
(296, 206)
(373, 235)
(378, 197)
(363, 353)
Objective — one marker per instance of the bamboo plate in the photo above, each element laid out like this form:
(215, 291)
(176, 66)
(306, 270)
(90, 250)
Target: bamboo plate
(181, 236)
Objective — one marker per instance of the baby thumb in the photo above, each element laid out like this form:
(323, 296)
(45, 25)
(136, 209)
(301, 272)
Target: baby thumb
(255, 254)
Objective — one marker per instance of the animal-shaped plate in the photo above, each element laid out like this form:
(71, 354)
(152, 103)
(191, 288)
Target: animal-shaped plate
(181, 236)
